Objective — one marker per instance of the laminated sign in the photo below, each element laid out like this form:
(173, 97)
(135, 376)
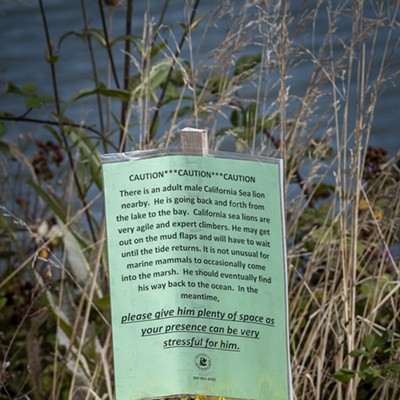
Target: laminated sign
(197, 261)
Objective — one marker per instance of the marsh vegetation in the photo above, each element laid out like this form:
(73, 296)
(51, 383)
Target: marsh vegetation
(342, 194)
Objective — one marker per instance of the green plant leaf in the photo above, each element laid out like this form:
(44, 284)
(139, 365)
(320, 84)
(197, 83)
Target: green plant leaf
(246, 63)
(235, 120)
(178, 77)
(98, 34)
(123, 38)
(54, 132)
(77, 261)
(344, 375)
(171, 92)
(358, 353)
(29, 87)
(369, 342)
(157, 76)
(217, 83)
(121, 94)
(382, 341)
(185, 111)
(321, 190)
(89, 153)
(194, 25)
(370, 372)
(156, 48)
(2, 129)
(155, 126)
(222, 131)
(3, 302)
(4, 114)
(269, 121)
(51, 58)
(395, 368)
(159, 73)
(4, 147)
(103, 303)
(11, 88)
(33, 102)
(28, 90)
(249, 115)
(55, 204)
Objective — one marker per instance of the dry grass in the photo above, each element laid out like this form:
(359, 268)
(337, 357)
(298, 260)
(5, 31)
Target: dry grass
(342, 197)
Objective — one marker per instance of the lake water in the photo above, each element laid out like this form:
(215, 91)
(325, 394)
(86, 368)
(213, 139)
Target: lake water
(23, 49)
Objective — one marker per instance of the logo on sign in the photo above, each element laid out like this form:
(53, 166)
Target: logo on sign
(202, 361)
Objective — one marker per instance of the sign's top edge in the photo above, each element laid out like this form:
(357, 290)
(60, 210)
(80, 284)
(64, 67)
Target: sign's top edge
(152, 153)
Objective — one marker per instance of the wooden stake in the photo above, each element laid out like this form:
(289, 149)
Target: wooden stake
(194, 142)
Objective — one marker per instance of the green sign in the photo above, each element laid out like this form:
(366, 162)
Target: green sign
(198, 276)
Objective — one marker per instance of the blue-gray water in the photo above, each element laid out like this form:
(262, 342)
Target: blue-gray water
(23, 48)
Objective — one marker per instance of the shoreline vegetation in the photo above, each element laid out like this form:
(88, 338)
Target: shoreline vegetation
(342, 194)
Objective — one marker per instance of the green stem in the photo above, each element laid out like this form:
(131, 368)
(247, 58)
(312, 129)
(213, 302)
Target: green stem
(127, 63)
(177, 53)
(24, 118)
(94, 69)
(61, 125)
(108, 46)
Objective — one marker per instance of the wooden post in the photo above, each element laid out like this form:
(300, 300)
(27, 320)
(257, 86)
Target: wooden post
(194, 142)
